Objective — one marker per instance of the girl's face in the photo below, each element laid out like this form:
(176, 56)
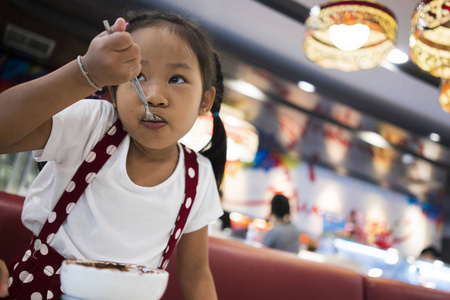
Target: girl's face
(172, 82)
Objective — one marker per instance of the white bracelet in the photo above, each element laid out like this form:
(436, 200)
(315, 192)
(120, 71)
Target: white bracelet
(85, 74)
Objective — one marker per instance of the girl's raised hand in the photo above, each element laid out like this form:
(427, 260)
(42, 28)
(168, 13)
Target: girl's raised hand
(3, 279)
(113, 58)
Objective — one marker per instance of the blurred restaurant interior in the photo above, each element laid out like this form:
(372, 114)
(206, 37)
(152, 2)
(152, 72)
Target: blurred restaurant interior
(358, 140)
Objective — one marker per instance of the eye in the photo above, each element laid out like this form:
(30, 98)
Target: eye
(177, 80)
(141, 77)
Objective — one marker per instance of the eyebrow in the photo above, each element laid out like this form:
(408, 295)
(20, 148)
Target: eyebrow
(180, 65)
(176, 65)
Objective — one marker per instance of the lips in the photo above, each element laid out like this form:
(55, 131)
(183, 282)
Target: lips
(155, 124)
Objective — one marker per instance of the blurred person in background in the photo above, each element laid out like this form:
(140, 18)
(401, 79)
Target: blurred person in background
(284, 235)
(429, 254)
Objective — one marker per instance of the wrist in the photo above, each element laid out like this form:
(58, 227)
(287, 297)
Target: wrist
(86, 74)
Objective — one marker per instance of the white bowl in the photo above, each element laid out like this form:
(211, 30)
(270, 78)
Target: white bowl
(98, 280)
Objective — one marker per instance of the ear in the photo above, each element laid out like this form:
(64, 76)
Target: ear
(208, 100)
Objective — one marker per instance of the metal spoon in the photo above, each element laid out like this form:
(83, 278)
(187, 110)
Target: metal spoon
(137, 88)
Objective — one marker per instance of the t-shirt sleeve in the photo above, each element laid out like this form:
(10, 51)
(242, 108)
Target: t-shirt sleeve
(73, 129)
(207, 207)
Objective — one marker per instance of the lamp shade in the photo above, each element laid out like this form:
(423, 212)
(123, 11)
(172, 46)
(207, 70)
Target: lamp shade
(350, 35)
(444, 96)
(430, 37)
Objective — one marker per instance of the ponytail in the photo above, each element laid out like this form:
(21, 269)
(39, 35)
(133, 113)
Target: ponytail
(216, 149)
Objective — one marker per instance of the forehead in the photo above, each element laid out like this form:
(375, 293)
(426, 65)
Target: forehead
(163, 43)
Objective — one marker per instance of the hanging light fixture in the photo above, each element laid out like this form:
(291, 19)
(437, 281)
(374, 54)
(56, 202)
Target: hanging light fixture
(350, 35)
(444, 96)
(430, 37)
(429, 43)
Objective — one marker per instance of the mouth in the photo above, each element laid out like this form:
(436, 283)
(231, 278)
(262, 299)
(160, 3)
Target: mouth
(151, 117)
(155, 123)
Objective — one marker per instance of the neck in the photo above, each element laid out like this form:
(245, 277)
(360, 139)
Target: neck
(150, 167)
(282, 220)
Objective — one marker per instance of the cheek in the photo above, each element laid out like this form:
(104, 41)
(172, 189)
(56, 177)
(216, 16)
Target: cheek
(123, 101)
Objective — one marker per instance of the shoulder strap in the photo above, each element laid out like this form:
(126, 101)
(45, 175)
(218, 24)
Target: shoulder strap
(82, 178)
(191, 182)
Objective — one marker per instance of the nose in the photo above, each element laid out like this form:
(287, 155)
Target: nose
(155, 94)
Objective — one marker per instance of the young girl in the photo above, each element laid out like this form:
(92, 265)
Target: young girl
(116, 187)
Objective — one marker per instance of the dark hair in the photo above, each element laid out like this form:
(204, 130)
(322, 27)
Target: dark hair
(431, 250)
(200, 43)
(216, 149)
(280, 206)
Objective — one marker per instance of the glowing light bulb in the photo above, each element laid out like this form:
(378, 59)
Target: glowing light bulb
(349, 37)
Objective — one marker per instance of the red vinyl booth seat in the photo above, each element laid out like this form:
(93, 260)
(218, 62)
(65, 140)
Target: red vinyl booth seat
(244, 272)
(14, 237)
(384, 289)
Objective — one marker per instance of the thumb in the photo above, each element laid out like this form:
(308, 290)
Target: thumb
(119, 25)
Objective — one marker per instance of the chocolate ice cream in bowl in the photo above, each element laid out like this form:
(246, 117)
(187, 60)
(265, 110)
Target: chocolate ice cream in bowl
(98, 280)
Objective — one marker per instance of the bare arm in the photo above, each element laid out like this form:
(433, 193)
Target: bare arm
(26, 110)
(193, 266)
(3, 280)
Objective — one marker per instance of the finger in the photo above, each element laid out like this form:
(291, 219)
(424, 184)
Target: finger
(4, 275)
(120, 41)
(119, 25)
(135, 71)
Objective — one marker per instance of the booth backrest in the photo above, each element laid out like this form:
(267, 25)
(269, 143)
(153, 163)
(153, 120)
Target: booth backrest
(14, 237)
(244, 272)
(383, 289)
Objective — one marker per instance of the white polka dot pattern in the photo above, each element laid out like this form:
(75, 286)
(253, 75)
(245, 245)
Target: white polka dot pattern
(37, 244)
(177, 235)
(27, 255)
(70, 187)
(50, 238)
(112, 130)
(23, 275)
(44, 249)
(188, 202)
(36, 296)
(49, 271)
(191, 173)
(166, 263)
(111, 149)
(90, 177)
(52, 217)
(91, 157)
(69, 207)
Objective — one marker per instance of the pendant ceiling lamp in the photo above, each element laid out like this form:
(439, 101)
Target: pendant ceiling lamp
(444, 96)
(430, 37)
(350, 35)
(430, 43)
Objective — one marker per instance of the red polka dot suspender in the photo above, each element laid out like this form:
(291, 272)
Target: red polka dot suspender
(40, 259)
(191, 170)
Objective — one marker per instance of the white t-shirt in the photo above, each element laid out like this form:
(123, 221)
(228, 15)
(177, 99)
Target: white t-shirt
(114, 219)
